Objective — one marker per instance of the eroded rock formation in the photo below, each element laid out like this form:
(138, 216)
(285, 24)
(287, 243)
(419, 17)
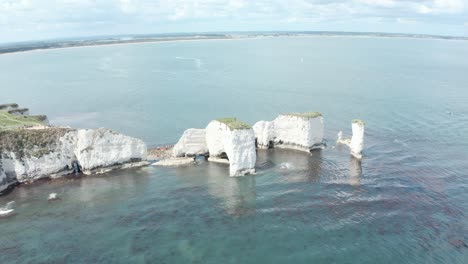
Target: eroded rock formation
(192, 143)
(301, 131)
(356, 143)
(31, 154)
(231, 139)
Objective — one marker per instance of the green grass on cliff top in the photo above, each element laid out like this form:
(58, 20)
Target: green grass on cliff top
(233, 123)
(358, 121)
(9, 121)
(305, 115)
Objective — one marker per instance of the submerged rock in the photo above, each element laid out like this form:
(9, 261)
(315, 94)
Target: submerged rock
(53, 197)
(234, 140)
(192, 143)
(301, 131)
(28, 155)
(8, 210)
(356, 143)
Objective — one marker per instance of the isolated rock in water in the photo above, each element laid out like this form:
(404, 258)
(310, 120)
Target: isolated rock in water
(27, 155)
(192, 143)
(8, 210)
(175, 162)
(264, 133)
(301, 131)
(232, 139)
(356, 143)
(52, 197)
(342, 140)
(357, 140)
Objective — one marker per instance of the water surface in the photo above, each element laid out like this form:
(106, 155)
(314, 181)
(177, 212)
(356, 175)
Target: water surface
(406, 202)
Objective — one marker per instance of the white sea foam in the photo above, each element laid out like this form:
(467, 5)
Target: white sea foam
(198, 62)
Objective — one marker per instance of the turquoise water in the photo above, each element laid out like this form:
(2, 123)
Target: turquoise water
(406, 202)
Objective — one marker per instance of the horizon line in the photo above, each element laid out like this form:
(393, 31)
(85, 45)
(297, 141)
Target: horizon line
(168, 34)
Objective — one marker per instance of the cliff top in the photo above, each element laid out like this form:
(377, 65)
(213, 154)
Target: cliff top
(358, 121)
(305, 115)
(3, 106)
(30, 142)
(9, 121)
(233, 123)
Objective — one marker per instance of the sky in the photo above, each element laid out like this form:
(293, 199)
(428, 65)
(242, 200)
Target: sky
(23, 20)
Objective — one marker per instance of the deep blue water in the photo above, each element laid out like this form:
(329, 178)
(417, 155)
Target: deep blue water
(407, 202)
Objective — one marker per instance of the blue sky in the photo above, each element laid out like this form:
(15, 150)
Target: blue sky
(44, 19)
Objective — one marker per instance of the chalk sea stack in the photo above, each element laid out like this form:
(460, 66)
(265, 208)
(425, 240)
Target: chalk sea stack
(301, 131)
(235, 140)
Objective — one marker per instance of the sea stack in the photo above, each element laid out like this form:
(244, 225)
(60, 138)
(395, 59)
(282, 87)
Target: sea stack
(356, 143)
(357, 140)
(301, 131)
(231, 139)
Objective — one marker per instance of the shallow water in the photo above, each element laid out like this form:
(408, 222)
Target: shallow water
(406, 202)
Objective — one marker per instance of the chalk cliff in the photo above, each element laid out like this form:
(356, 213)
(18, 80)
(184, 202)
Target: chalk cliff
(231, 139)
(192, 143)
(356, 143)
(31, 154)
(357, 140)
(301, 131)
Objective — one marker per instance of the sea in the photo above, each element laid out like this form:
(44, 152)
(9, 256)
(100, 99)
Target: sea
(405, 202)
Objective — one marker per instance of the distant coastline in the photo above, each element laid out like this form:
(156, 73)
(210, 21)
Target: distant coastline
(131, 39)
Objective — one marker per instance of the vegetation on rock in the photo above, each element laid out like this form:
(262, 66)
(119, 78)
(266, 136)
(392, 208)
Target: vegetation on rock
(30, 142)
(305, 115)
(233, 123)
(358, 121)
(9, 121)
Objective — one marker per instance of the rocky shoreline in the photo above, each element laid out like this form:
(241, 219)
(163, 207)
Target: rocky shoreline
(31, 149)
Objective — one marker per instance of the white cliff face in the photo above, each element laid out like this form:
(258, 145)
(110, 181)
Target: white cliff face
(237, 144)
(192, 143)
(265, 133)
(240, 149)
(92, 149)
(357, 140)
(290, 131)
(215, 133)
(294, 131)
(33, 167)
(103, 148)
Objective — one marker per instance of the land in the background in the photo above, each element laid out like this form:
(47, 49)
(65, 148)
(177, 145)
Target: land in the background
(124, 39)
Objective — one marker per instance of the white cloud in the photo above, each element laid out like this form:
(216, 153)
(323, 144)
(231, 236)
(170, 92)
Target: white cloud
(383, 3)
(128, 6)
(84, 17)
(423, 9)
(13, 6)
(441, 7)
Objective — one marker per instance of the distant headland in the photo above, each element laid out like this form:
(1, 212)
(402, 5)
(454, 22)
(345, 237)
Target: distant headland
(128, 39)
